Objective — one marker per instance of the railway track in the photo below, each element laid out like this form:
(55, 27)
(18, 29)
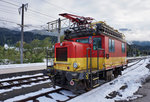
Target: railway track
(47, 95)
(22, 81)
(135, 64)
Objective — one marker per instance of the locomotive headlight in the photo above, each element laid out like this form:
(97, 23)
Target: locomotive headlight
(75, 65)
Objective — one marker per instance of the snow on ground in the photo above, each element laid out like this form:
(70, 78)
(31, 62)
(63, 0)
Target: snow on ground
(67, 93)
(21, 65)
(25, 65)
(23, 76)
(33, 94)
(22, 86)
(45, 99)
(59, 97)
(132, 63)
(132, 80)
(137, 57)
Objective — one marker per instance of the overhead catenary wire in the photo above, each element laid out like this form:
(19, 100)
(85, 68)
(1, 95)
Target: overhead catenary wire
(27, 25)
(8, 12)
(9, 21)
(11, 11)
(9, 3)
(34, 11)
(12, 7)
(60, 8)
(14, 13)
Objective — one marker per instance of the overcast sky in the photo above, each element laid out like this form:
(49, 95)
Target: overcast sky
(131, 14)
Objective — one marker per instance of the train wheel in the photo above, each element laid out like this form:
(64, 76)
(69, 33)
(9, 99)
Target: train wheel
(109, 75)
(87, 85)
(120, 71)
(116, 73)
(81, 87)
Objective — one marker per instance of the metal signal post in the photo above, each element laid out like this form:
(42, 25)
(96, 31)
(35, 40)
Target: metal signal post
(21, 9)
(57, 25)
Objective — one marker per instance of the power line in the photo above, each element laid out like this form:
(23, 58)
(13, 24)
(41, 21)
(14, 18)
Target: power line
(8, 6)
(36, 26)
(41, 13)
(37, 12)
(8, 21)
(56, 6)
(8, 11)
(10, 3)
(34, 11)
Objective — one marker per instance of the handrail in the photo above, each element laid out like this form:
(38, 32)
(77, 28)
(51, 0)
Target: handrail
(90, 66)
(98, 58)
(87, 50)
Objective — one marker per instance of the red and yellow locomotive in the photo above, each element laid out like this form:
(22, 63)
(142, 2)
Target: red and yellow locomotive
(91, 53)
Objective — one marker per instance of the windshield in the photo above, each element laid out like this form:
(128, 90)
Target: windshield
(83, 40)
(97, 43)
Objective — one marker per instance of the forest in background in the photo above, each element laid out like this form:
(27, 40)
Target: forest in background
(11, 37)
(34, 51)
(35, 46)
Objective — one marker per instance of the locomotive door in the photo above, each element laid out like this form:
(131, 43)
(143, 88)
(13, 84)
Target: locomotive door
(97, 52)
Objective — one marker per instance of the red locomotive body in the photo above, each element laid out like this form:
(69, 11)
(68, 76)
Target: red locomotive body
(88, 56)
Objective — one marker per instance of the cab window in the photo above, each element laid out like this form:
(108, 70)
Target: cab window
(97, 43)
(123, 47)
(111, 45)
(83, 40)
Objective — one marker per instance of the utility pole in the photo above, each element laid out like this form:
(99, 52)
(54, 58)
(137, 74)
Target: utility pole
(21, 9)
(59, 29)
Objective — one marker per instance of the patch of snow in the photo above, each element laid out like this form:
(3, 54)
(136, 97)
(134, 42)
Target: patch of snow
(59, 97)
(46, 76)
(30, 101)
(33, 79)
(15, 82)
(5, 84)
(6, 46)
(39, 78)
(45, 99)
(138, 57)
(132, 63)
(67, 93)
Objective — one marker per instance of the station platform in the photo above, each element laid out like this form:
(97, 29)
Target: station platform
(21, 69)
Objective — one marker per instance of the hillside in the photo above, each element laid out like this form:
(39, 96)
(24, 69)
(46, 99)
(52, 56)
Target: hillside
(141, 43)
(10, 37)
